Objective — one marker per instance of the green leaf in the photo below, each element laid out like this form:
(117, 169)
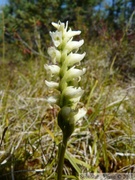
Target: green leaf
(75, 162)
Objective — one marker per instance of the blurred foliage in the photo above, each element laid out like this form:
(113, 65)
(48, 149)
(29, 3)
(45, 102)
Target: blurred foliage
(27, 23)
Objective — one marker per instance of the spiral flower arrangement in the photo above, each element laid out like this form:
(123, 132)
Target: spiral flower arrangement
(65, 58)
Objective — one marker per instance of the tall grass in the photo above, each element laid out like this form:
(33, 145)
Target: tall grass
(104, 141)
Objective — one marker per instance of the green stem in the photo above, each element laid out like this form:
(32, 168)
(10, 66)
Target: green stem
(62, 150)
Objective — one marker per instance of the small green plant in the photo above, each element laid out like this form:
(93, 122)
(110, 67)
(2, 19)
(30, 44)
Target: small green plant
(65, 57)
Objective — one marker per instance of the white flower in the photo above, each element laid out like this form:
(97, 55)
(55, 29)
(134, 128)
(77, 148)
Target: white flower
(60, 26)
(66, 61)
(54, 54)
(81, 113)
(57, 25)
(74, 58)
(56, 37)
(69, 34)
(66, 34)
(73, 73)
(53, 68)
(52, 84)
(72, 92)
(65, 58)
(72, 45)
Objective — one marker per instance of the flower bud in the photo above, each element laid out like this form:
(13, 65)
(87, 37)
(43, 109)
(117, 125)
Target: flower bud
(66, 121)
